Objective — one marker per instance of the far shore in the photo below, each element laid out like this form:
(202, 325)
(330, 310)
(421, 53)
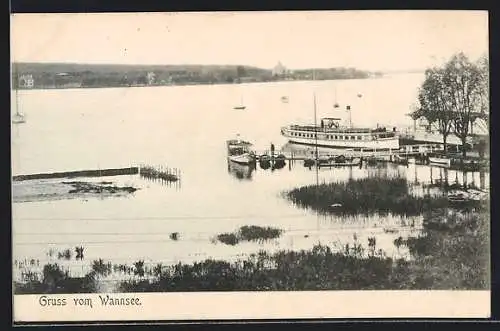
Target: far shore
(183, 84)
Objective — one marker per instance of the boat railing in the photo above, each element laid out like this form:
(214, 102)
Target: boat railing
(328, 130)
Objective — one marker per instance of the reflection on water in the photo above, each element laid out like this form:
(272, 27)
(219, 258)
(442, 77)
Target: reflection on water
(240, 171)
(108, 128)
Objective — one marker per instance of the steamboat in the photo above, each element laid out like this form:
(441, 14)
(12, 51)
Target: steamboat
(330, 133)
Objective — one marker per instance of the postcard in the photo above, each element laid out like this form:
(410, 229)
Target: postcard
(250, 165)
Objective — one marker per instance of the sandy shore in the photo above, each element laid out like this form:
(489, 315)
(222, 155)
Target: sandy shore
(43, 190)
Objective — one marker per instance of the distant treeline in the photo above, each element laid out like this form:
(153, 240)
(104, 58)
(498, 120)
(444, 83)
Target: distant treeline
(61, 75)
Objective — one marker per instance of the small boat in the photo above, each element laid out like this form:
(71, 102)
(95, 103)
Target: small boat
(360, 95)
(279, 161)
(458, 197)
(264, 158)
(336, 104)
(309, 162)
(467, 196)
(340, 162)
(241, 106)
(284, 99)
(442, 161)
(467, 165)
(239, 151)
(18, 118)
(265, 161)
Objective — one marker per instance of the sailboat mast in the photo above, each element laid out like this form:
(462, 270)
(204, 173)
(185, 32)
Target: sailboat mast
(17, 98)
(15, 85)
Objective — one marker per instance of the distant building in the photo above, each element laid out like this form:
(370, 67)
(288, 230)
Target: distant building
(151, 77)
(279, 69)
(26, 81)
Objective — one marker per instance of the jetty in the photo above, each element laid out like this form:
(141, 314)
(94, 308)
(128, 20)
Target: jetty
(145, 171)
(80, 173)
(308, 153)
(416, 153)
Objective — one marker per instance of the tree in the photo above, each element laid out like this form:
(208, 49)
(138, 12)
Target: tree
(462, 82)
(433, 103)
(484, 87)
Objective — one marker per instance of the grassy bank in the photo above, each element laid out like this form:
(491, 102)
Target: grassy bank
(451, 253)
(368, 195)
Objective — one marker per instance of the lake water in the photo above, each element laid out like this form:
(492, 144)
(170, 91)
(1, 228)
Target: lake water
(186, 127)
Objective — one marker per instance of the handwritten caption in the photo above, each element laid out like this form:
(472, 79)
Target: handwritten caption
(86, 301)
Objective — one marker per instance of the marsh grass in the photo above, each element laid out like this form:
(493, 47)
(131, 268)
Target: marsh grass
(455, 256)
(365, 196)
(101, 268)
(66, 255)
(56, 280)
(451, 253)
(250, 233)
(448, 258)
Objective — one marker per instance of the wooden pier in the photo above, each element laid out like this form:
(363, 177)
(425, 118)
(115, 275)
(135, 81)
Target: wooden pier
(420, 154)
(309, 152)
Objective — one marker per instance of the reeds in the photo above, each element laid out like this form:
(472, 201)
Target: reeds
(66, 255)
(249, 233)
(451, 257)
(366, 196)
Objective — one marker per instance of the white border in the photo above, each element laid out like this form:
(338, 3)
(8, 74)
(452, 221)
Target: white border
(263, 305)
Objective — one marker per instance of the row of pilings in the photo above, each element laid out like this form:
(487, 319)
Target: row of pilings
(160, 173)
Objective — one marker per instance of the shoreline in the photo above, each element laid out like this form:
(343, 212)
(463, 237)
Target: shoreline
(186, 84)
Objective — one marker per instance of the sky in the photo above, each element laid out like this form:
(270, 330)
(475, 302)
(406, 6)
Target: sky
(369, 40)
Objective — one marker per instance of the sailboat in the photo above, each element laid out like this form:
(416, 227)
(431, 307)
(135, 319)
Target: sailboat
(241, 106)
(336, 104)
(18, 118)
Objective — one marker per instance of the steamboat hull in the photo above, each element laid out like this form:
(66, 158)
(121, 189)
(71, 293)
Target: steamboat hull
(327, 140)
